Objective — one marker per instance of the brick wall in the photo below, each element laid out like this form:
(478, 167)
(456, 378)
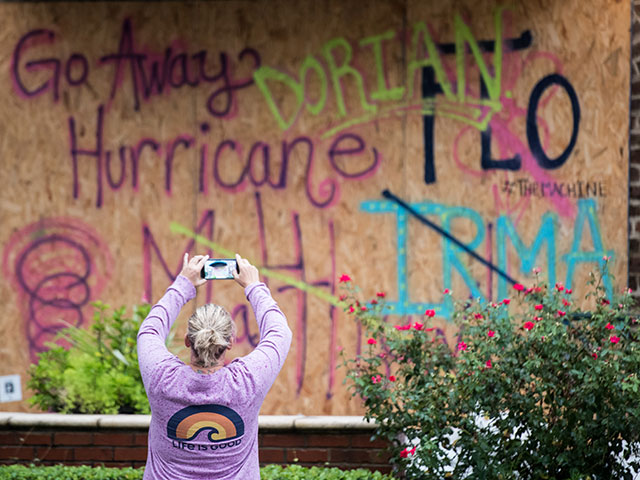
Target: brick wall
(128, 447)
(634, 156)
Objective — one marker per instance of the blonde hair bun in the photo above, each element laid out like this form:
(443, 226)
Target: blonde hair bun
(210, 331)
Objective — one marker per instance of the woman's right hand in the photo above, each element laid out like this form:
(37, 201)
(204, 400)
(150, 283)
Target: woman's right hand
(248, 273)
(191, 268)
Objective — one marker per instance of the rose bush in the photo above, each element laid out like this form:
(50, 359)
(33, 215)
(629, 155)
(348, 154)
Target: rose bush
(533, 388)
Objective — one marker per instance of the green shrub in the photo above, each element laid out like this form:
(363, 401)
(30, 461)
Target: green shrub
(271, 472)
(534, 388)
(62, 472)
(296, 472)
(98, 373)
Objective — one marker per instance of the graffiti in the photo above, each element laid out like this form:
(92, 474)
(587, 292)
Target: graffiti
(300, 283)
(524, 187)
(338, 54)
(286, 132)
(150, 73)
(150, 247)
(444, 92)
(452, 250)
(57, 266)
(431, 87)
(113, 169)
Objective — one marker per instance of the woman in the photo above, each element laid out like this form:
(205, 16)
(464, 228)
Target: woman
(204, 416)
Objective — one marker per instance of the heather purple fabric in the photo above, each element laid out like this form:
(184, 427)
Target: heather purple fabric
(206, 426)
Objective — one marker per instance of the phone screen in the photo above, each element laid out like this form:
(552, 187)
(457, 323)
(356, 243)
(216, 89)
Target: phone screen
(219, 269)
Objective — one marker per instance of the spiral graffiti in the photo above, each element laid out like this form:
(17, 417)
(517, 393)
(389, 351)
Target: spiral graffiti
(57, 267)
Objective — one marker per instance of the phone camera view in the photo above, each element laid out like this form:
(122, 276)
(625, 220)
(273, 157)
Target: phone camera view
(219, 269)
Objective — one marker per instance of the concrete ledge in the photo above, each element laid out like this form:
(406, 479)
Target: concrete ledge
(265, 422)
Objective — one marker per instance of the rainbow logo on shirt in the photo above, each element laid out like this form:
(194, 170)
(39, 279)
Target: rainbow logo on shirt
(224, 423)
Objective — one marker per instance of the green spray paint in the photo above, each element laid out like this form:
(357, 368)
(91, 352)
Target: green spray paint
(337, 72)
(383, 92)
(267, 272)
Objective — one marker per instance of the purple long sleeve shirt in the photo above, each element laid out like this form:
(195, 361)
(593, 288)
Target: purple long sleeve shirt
(206, 426)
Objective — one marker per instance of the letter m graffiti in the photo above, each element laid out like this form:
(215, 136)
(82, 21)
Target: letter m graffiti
(150, 247)
(527, 256)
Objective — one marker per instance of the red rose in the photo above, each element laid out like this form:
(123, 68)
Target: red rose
(488, 364)
(614, 339)
(381, 294)
(529, 325)
(392, 378)
(539, 307)
(519, 287)
(608, 326)
(506, 301)
(462, 346)
(491, 333)
(372, 341)
(345, 278)
(430, 313)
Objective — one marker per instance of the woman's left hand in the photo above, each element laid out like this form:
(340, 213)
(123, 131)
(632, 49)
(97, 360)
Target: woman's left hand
(191, 268)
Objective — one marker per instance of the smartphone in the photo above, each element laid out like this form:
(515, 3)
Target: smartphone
(219, 269)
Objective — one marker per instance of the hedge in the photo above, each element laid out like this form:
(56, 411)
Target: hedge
(270, 472)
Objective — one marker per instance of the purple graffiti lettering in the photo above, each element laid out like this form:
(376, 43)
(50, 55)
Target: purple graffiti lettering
(116, 184)
(154, 74)
(83, 64)
(136, 152)
(336, 151)
(229, 87)
(299, 268)
(182, 140)
(97, 154)
(75, 68)
(33, 38)
(243, 312)
(230, 168)
(150, 246)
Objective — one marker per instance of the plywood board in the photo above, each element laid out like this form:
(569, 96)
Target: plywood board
(273, 128)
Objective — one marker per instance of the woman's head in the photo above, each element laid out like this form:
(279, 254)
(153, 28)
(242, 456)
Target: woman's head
(210, 333)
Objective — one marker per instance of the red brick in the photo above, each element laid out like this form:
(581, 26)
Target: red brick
(36, 438)
(100, 454)
(119, 464)
(359, 456)
(10, 438)
(271, 455)
(314, 455)
(72, 438)
(111, 438)
(328, 441)
(131, 453)
(141, 439)
(54, 453)
(284, 440)
(16, 452)
(364, 441)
